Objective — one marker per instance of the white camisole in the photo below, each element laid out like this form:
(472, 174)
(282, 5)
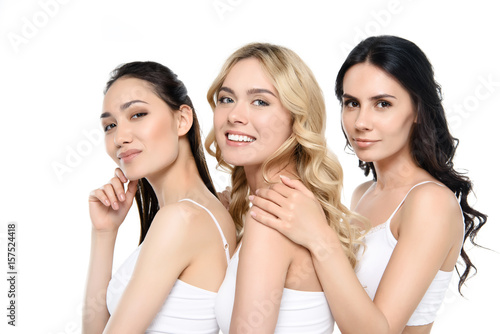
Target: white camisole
(187, 309)
(300, 311)
(380, 244)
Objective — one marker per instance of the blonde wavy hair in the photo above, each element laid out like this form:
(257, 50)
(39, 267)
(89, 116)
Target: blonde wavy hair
(316, 166)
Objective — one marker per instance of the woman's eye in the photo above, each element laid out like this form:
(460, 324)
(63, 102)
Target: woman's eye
(351, 104)
(109, 127)
(225, 99)
(140, 114)
(383, 104)
(260, 103)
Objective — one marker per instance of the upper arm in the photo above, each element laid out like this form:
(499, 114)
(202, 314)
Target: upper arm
(358, 193)
(429, 228)
(165, 253)
(265, 257)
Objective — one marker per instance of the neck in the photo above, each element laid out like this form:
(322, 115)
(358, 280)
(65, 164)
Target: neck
(397, 171)
(179, 180)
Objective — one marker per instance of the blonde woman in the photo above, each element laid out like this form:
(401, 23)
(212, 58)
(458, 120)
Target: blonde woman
(269, 117)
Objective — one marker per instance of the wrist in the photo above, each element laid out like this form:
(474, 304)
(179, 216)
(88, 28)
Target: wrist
(326, 244)
(104, 234)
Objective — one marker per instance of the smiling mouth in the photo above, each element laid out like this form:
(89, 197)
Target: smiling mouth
(239, 138)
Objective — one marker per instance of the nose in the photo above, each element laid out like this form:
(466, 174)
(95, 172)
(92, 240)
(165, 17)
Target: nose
(123, 135)
(363, 120)
(238, 114)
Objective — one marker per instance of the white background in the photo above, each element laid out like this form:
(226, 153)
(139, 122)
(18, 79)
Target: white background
(55, 57)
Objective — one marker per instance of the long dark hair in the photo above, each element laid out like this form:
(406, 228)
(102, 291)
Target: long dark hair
(431, 143)
(172, 91)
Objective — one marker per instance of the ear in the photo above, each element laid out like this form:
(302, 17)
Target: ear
(185, 120)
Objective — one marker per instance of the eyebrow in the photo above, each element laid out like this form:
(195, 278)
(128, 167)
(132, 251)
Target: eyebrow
(249, 92)
(376, 97)
(123, 107)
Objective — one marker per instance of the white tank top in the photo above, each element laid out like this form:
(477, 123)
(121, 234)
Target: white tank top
(300, 311)
(379, 244)
(187, 309)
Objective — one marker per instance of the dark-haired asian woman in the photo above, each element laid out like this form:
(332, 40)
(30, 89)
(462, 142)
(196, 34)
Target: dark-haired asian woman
(416, 203)
(169, 283)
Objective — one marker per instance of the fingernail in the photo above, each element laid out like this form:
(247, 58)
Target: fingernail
(283, 177)
(122, 197)
(257, 192)
(253, 214)
(251, 197)
(115, 205)
(106, 202)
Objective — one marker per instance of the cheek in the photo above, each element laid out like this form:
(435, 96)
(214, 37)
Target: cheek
(157, 130)
(397, 128)
(276, 127)
(110, 147)
(157, 134)
(347, 122)
(219, 118)
(219, 122)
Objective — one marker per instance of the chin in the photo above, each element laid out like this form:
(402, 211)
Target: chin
(240, 160)
(365, 157)
(131, 175)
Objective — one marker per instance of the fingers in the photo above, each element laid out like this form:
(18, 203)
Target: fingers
(283, 190)
(131, 190)
(119, 174)
(112, 193)
(266, 219)
(267, 205)
(270, 194)
(289, 188)
(118, 188)
(296, 184)
(99, 195)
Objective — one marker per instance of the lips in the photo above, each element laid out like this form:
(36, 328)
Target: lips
(128, 155)
(364, 142)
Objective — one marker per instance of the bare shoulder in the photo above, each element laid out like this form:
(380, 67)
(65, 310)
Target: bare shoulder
(359, 192)
(433, 206)
(182, 219)
(433, 197)
(267, 240)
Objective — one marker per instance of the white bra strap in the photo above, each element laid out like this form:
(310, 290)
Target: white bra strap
(401, 203)
(224, 241)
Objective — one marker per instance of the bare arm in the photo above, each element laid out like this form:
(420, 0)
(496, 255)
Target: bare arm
(265, 256)
(429, 214)
(108, 207)
(167, 250)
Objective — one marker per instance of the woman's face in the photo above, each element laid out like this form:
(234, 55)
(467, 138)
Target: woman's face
(377, 113)
(250, 123)
(140, 128)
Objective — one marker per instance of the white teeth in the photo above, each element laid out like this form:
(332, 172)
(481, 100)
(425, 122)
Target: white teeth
(239, 138)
